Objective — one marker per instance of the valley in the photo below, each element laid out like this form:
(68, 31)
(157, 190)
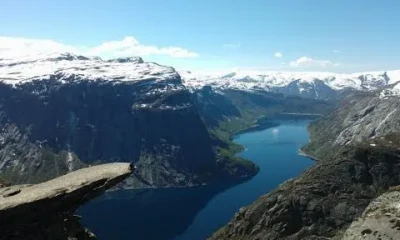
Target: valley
(183, 134)
(199, 120)
(200, 211)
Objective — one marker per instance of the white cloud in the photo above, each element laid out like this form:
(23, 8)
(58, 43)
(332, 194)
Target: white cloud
(21, 46)
(129, 46)
(231, 45)
(278, 55)
(310, 62)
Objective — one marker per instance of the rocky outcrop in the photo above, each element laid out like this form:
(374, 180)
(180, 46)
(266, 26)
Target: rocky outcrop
(46, 210)
(380, 220)
(322, 202)
(360, 119)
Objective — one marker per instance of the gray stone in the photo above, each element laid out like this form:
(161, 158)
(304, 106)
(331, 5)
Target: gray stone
(380, 220)
(46, 210)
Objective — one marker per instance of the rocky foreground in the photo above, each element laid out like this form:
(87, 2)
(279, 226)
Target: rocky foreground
(46, 210)
(322, 202)
(380, 220)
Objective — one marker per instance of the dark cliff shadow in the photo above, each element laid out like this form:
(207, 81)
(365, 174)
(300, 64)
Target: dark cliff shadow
(147, 214)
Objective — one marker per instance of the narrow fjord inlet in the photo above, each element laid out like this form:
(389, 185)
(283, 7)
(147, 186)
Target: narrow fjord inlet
(199, 120)
(195, 213)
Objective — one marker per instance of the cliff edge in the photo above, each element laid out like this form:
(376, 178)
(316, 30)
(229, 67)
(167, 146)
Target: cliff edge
(46, 210)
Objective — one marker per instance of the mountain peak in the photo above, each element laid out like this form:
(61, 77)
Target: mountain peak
(67, 56)
(281, 81)
(127, 59)
(32, 67)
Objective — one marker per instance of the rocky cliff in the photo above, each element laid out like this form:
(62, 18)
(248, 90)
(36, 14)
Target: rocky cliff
(361, 119)
(358, 159)
(61, 112)
(46, 210)
(380, 220)
(322, 202)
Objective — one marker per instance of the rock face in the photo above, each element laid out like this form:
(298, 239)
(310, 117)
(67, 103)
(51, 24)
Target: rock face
(228, 105)
(360, 119)
(357, 148)
(45, 210)
(322, 202)
(380, 220)
(61, 112)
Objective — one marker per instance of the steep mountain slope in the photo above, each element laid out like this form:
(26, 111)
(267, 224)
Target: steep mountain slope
(366, 118)
(322, 202)
(231, 106)
(316, 85)
(60, 112)
(380, 220)
(357, 147)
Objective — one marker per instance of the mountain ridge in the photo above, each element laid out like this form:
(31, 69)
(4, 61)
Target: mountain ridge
(318, 85)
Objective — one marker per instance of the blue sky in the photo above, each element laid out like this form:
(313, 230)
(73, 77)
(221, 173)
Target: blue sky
(310, 35)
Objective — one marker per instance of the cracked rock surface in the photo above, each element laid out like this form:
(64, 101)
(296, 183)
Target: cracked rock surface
(380, 220)
(46, 210)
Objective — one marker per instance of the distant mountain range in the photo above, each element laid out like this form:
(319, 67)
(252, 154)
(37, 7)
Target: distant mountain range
(316, 85)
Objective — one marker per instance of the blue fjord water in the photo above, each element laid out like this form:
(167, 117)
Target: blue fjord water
(195, 213)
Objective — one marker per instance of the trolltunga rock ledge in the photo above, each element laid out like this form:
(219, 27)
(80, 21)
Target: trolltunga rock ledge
(47, 209)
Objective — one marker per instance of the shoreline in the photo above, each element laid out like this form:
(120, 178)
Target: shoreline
(262, 123)
(302, 153)
(303, 114)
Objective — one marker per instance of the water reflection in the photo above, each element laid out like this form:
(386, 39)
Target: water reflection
(146, 214)
(195, 213)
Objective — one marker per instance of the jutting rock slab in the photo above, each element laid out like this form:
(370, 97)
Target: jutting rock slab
(46, 210)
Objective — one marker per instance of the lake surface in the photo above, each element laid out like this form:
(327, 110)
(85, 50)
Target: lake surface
(195, 213)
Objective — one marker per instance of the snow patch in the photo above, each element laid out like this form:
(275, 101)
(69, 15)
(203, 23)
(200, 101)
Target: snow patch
(251, 80)
(385, 119)
(68, 66)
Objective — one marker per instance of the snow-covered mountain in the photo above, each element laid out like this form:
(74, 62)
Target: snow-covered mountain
(62, 68)
(318, 85)
(64, 65)
(61, 112)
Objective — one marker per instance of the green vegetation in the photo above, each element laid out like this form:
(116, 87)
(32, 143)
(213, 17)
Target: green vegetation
(234, 111)
(248, 111)
(232, 165)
